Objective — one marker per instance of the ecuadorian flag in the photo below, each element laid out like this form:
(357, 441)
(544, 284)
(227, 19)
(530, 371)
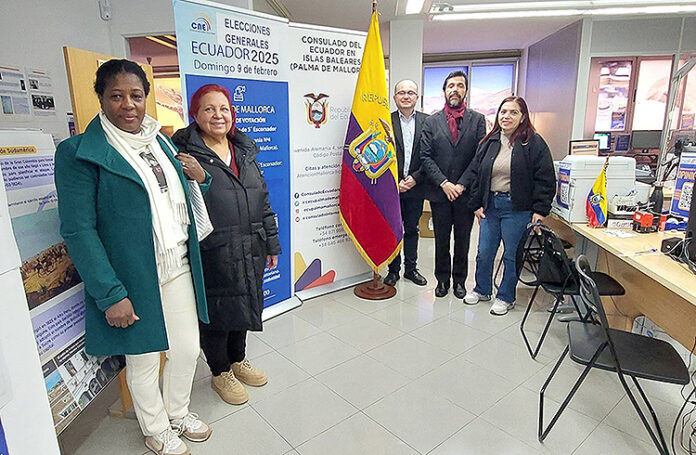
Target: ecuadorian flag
(596, 205)
(369, 196)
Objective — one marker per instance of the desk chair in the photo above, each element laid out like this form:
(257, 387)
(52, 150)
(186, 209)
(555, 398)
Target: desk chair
(626, 353)
(554, 273)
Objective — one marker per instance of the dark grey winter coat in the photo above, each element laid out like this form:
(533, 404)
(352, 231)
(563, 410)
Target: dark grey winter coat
(245, 231)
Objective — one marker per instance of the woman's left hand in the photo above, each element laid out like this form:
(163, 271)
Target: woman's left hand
(271, 261)
(192, 169)
(536, 217)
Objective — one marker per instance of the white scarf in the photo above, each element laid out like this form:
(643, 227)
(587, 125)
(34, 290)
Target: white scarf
(169, 209)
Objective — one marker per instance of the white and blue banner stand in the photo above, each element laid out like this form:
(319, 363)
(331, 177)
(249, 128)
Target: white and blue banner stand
(244, 51)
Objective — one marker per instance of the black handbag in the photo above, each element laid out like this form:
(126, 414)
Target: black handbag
(555, 268)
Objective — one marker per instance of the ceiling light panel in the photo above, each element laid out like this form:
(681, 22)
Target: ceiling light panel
(414, 6)
(561, 8)
(562, 4)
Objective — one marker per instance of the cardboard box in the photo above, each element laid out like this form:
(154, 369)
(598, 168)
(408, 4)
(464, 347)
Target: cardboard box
(644, 326)
(425, 224)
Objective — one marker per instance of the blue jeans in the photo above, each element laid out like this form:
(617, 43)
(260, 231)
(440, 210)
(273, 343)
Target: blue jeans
(501, 223)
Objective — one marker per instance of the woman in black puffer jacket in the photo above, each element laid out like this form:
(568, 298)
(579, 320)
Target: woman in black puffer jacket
(511, 182)
(243, 243)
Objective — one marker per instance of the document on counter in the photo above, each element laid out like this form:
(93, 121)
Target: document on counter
(620, 234)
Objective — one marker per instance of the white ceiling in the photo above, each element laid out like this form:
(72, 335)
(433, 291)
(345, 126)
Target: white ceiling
(438, 37)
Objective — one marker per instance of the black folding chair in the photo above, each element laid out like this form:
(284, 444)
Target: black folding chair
(532, 260)
(626, 353)
(542, 258)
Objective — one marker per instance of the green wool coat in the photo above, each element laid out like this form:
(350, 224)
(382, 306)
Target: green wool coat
(106, 222)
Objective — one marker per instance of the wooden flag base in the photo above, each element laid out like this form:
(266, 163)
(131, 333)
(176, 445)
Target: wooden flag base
(374, 290)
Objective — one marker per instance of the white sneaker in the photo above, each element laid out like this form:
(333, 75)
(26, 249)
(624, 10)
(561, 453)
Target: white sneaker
(473, 297)
(167, 443)
(501, 308)
(192, 428)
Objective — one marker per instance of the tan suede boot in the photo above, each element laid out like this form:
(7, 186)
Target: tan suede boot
(229, 388)
(248, 374)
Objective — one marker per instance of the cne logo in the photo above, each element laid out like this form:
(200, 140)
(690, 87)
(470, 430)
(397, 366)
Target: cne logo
(316, 108)
(202, 23)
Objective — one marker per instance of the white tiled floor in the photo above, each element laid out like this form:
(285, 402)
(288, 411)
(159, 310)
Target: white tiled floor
(410, 375)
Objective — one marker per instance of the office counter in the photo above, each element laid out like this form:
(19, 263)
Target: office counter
(656, 286)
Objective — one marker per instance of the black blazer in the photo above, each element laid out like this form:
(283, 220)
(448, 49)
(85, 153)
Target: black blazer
(414, 169)
(532, 175)
(443, 159)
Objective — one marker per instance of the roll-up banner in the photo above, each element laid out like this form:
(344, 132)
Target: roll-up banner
(246, 52)
(324, 66)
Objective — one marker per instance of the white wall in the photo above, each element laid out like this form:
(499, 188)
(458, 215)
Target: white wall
(552, 68)
(405, 54)
(33, 33)
(636, 36)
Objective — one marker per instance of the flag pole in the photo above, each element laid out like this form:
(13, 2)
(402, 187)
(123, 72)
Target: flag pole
(375, 289)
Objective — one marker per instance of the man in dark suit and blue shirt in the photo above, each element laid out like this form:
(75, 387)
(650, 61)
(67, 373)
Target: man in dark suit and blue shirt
(448, 144)
(407, 124)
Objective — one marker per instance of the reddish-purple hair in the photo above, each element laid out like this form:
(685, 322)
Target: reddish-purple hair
(525, 130)
(195, 103)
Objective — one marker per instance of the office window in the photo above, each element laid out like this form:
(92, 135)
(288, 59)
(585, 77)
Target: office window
(612, 102)
(489, 86)
(433, 78)
(651, 93)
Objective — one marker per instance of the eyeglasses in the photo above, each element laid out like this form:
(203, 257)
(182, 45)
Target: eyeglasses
(409, 93)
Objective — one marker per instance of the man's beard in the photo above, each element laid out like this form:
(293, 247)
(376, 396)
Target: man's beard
(450, 102)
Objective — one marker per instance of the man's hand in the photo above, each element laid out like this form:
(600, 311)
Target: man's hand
(121, 314)
(271, 261)
(451, 191)
(406, 184)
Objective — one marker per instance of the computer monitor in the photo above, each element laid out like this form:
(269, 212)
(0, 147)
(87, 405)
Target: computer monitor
(583, 147)
(622, 142)
(645, 140)
(604, 140)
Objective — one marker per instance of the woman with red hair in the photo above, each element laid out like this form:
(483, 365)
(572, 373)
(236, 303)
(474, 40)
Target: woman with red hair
(243, 243)
(511, 182)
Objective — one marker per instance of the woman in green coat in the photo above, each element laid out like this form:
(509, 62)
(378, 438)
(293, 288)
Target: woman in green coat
(128, 226)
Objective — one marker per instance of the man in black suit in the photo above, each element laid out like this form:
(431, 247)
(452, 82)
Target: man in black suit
(407, 124)
(448, 144)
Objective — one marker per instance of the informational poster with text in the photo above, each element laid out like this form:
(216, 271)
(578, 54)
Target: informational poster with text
(324, 66)
(54, 291)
